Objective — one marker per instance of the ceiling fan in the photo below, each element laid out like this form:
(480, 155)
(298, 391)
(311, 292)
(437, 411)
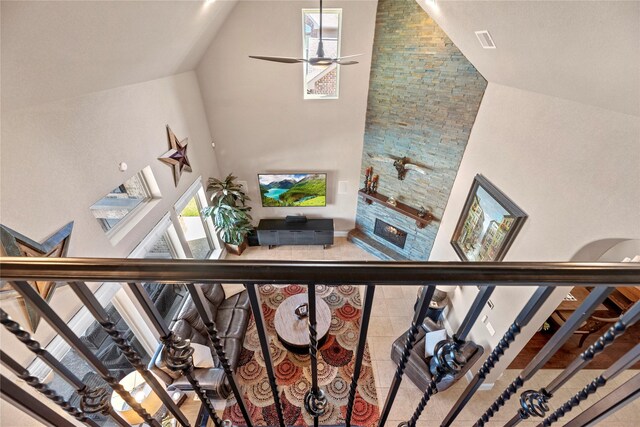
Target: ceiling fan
(319, 59)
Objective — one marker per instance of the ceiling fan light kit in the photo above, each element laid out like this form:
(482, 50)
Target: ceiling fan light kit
(319, 59)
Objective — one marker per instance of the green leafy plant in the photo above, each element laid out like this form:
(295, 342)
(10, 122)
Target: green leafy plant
(229, 211)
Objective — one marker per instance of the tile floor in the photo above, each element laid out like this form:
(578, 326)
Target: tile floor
(391, 317)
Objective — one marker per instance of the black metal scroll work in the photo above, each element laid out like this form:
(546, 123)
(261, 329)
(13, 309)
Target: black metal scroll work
(362, 339)
(61, 327)
(97, 400)
(177, 354)
(101, 316)
(534, 403)
(315, 401)
(448, 358)
(35, 382)
(524, 317)
(612, 402)
(35, 347)
(256, 308)
(595, 298)
(28, 404)
(606, 339)
(207, 317)
(418, 317)
(625, 362)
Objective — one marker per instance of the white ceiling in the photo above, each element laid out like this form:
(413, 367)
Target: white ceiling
(60, 49)
(585, 51)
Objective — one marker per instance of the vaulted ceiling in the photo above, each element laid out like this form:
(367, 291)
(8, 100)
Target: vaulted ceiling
(586, 51)
(61, 49)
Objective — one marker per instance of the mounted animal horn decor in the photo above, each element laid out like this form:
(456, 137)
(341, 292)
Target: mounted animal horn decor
(402, 164)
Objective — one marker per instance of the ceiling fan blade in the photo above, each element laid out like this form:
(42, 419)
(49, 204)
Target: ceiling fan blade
(339, 62)
(350, 56)
(282, 59)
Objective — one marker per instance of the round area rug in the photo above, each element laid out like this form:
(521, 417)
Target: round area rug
(336, 358)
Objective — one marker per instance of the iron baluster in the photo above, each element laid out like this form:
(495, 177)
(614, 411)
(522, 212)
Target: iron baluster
(362, 339)
(420, 313)
(60, 326)
(35, 382)
(448, 357)
(28, 404)
(177, 354)
(99, 313)
(315, 401)
(630, 358)
(207, 317)
(614, 401)
(606, 339)
(256, 308)
(538, 298)
(595, 298)
(35, 347)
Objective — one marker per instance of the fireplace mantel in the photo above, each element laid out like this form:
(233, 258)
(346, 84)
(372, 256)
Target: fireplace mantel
(421, 222)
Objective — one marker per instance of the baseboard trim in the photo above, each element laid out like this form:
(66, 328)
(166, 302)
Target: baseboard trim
(340, 233)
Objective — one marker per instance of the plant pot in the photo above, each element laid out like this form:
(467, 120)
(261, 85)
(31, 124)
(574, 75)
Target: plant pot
(236, 249)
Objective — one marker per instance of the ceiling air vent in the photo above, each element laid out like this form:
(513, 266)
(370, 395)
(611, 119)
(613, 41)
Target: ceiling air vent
(485, 39)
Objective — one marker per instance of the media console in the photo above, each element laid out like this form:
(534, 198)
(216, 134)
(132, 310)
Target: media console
(278, 232)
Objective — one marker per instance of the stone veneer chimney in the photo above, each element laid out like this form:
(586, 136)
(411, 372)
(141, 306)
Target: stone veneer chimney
(423, 99)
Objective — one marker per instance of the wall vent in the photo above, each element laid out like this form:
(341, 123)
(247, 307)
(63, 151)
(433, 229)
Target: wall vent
(485, 39)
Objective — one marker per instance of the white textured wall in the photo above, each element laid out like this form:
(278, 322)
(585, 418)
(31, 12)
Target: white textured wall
(60, 158)
(256, 111)
(575, 170)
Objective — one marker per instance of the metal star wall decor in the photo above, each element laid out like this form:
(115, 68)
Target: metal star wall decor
(176, 157)
(16, 244)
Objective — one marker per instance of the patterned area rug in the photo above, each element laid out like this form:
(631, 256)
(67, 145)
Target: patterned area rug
(293, 371)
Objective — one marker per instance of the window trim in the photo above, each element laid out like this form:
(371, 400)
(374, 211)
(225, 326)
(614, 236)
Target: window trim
(209, 229)
(304, 68)
(133, 218)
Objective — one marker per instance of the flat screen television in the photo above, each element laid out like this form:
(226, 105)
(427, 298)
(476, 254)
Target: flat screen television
(293, 189)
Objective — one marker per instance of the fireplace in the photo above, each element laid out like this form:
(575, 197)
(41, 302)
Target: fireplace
(390, 233)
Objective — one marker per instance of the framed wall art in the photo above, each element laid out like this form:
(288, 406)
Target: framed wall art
(488, 224)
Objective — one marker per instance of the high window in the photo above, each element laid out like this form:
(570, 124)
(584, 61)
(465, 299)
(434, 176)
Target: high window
(321, 81)
(124, 206)
(196, 232)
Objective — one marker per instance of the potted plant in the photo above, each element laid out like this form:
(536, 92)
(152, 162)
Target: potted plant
(229, 212)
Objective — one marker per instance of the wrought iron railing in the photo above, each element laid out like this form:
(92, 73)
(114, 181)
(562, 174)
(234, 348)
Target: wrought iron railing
(178, 353)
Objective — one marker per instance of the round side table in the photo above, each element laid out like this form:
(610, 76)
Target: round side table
(293, 331)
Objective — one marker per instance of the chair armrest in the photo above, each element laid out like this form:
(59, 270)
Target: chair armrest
(429, 325)
(155, 369)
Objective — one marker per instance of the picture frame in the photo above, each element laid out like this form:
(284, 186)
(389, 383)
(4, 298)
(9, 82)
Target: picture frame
(488, 224)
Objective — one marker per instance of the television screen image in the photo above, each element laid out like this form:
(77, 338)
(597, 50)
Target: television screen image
(297, 189)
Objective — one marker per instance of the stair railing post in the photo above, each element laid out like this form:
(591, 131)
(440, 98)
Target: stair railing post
(536, 301)
(419, 314)
(595, 298)
(207, 317)
(256, 308)
(534, 403)
(619, 366)
(177, 352)
(448, 358)
(28, 404)
(369, 292)
(100, 315)
(61, 327)
(87, 395)
(315, 401)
